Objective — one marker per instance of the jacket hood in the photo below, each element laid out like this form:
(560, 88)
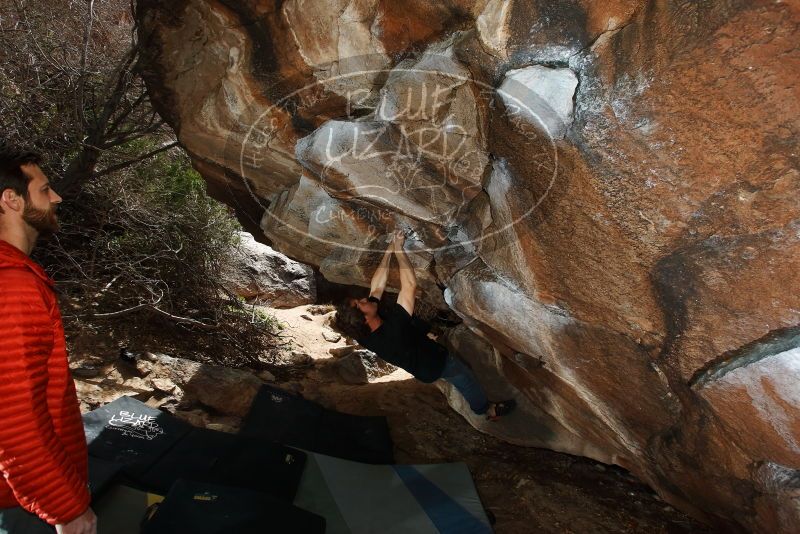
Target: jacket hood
(11, 257)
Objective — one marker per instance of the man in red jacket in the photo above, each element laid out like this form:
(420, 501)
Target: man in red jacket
(43, 455)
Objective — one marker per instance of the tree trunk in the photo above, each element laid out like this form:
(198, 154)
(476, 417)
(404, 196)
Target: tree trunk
(79, 171)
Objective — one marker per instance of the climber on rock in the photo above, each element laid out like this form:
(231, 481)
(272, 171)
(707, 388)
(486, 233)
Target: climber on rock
(396, 335)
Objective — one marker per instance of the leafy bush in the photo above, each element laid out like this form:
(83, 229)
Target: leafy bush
(138, 260)
(139, 256)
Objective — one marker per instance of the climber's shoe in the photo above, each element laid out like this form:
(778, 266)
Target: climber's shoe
(501, 409)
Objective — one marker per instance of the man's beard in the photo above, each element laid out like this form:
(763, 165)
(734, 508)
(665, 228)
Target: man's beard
(43, 221)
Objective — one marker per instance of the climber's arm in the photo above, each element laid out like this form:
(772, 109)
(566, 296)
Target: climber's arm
(381, 275)
(408, 280)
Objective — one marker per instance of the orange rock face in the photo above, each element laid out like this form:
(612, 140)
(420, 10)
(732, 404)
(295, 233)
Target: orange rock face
(608, 194)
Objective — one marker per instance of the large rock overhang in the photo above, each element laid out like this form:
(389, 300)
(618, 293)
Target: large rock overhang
(619, 219)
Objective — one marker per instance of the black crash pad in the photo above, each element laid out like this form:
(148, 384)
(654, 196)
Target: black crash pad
(202, 508)
(229, 460)
(101, 474)
(283, 417)
(132, 434)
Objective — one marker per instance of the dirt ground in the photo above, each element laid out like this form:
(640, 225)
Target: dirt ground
(527, 490)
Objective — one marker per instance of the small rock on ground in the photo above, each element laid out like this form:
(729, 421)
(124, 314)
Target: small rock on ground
(330, 336)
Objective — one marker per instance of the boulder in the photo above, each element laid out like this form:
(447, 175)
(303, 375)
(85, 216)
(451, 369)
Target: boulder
(528, 425)
(259, 273)
(224, 390)
(625, 245)
(360, 367)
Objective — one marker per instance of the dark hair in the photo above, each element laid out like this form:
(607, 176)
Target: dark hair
(349, 320)
(11, 161)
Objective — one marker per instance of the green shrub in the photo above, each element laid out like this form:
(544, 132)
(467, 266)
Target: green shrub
(139, 258)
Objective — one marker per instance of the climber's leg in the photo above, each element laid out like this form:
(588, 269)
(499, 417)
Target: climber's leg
(462, 378)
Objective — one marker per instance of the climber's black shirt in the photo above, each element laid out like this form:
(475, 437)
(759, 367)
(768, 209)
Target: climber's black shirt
(402, 341)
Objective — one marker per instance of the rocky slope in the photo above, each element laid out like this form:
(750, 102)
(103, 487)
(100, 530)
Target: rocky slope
(606, 193)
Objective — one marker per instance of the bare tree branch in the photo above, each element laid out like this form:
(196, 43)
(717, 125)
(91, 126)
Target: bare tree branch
(172, 317)
(124, 164)
(87, 36)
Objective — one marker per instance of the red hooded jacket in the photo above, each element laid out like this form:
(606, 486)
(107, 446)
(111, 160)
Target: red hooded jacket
(43, 454)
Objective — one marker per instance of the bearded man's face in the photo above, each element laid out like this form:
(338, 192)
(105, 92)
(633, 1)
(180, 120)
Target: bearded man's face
(44, 221)
(41, 202)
